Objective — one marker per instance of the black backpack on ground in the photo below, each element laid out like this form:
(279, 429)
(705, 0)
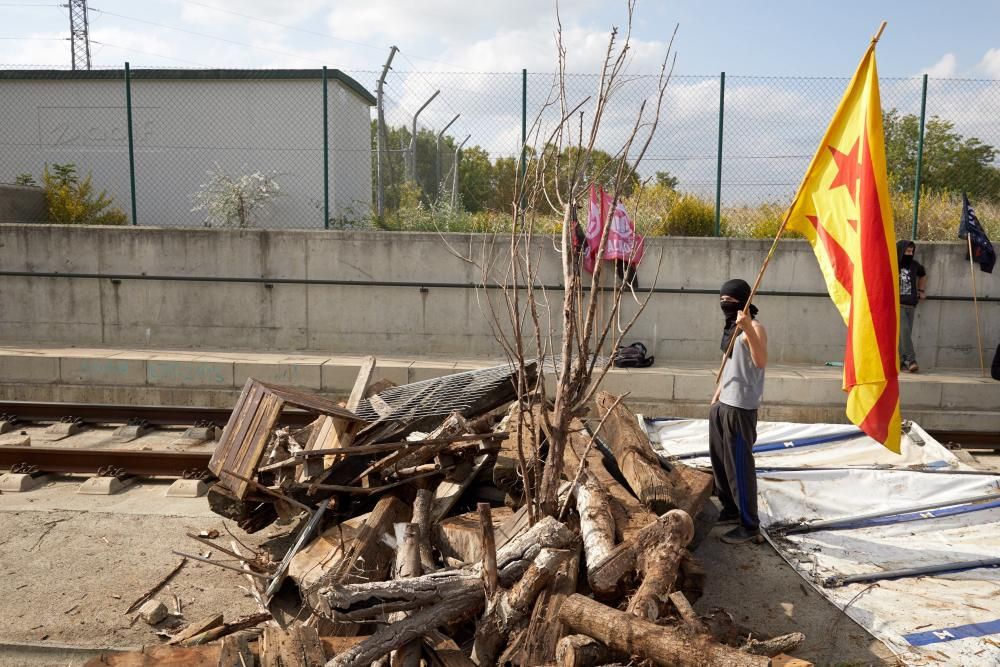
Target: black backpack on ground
(632, 356)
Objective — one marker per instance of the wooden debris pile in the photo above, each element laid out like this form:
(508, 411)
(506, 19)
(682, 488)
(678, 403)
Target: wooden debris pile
(414, 544)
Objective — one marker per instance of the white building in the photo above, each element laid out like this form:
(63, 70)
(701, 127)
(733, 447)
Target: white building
(184, 123)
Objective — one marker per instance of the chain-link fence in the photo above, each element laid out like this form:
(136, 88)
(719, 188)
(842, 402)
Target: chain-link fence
(300, 149)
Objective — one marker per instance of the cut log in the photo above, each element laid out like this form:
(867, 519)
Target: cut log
(444, 652)
(775, 645)
(489, 549)
(663, 645)
(673, 528)
(629, 514)
(583, 651)
(407, 565)
(523, 443)
(679, 488)
(686, 612)
(545, 629)
(412, 628)
(458, 536)
(422, 517)
(369, 600)
(659, 573)
(597, 525)
(509, 611)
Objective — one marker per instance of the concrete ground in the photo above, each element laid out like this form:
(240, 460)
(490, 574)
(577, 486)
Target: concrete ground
(70, 565)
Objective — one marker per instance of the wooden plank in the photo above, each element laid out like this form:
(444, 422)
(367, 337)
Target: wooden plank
(256, 440)
(361, 383)
(277, 649)
(235, 652)
(449, 491)
(207, 655)
(310, 402)
(309, 645)
(236, 443)
(197, 628)
(219, 455)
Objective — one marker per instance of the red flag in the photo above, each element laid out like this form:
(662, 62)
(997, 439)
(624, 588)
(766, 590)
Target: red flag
(623, 242)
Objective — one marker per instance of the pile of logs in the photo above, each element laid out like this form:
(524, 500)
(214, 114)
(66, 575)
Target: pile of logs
(414, 544)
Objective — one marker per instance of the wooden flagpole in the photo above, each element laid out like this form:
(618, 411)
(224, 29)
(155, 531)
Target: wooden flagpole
(770, 253)
(975, 304)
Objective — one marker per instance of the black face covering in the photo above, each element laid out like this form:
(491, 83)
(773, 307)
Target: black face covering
(906, 261)
(739, 290)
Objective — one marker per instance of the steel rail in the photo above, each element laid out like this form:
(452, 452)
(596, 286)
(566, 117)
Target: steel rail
(162, 415)
(133, 462)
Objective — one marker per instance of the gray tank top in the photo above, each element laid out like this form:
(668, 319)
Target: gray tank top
(742, 381)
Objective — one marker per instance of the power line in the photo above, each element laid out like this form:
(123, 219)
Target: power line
(203, 35)
(37, 39)
(148, 53)
(308, 32)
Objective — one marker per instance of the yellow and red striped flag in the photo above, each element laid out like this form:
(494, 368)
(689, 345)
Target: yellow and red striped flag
(843, 209)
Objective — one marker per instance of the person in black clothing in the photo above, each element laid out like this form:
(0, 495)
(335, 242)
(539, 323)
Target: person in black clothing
(912, 290)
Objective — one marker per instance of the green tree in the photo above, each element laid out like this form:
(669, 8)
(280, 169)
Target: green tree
(667, 180)
(476, 181)
(951, 162)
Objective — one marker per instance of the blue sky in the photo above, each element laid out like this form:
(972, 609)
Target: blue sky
(743, 38)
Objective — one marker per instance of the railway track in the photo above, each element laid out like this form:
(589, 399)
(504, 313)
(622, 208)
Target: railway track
(145, 462)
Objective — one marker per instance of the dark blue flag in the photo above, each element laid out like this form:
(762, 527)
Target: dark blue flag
(982, 249)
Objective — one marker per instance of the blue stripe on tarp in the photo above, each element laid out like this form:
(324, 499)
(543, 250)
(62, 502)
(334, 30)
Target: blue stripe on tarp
(778, 445)
(954, 510)
(953, 633)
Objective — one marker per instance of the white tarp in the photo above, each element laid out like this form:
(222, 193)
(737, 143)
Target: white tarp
(815, 472)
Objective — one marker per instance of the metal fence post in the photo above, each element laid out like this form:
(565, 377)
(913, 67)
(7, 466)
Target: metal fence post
(718, 165)
(131, 147)
(920, 159)
(326, 156)
(524, 133)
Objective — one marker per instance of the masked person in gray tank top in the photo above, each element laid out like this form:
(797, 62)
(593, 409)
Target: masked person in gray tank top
(732, 421)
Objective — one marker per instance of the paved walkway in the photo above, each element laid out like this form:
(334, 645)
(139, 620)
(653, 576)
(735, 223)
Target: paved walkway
(958, 399)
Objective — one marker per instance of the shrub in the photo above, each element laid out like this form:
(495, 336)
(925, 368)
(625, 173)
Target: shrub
(235, 201)
(25, 179)
(690, 216)
(71, 201)
(650, 208)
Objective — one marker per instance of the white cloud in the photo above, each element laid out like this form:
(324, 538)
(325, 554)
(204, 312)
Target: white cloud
(47, 49)
(990, 64)
(943, 68)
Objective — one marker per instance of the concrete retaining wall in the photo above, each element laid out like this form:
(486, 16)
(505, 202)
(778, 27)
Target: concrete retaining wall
(411, 320)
